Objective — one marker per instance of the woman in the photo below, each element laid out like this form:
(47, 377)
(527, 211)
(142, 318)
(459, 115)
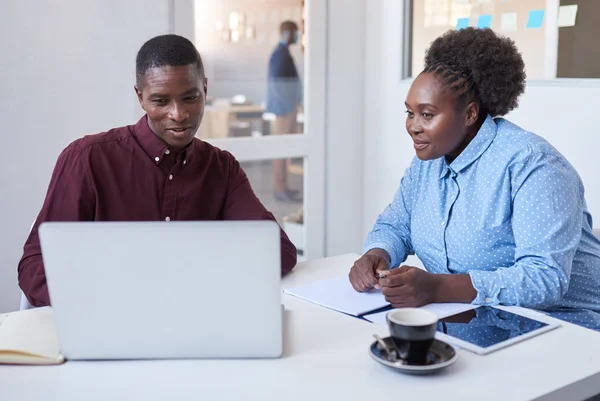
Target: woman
(495, 213)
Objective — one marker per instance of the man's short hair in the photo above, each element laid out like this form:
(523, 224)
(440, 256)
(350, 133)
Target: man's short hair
(166, 50)
(288, 26)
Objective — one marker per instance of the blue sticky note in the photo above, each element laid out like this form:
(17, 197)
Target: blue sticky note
(484, 21)
(462, 23)
(535, 20)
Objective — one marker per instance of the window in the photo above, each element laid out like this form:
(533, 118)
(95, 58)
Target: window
(236, 39)
(557, 38)
(265, 129)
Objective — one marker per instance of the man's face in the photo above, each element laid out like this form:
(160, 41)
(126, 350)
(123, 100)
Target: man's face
(174, 99)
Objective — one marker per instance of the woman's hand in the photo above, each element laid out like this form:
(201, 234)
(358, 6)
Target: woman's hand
(409, 286)
(363, 275)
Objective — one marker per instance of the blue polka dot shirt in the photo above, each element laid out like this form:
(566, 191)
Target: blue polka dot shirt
(510, 212)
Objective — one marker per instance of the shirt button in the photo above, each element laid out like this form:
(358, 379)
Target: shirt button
(167, 218)
(157, 159)
(488, 300)
(443, 223)
(185, 161)
(167, 151)
(171, 177)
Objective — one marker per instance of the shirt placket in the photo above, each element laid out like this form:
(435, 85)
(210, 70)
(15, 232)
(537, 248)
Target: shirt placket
(169, 203)
(452, 195)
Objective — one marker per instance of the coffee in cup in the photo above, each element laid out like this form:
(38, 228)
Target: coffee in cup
(412, 331)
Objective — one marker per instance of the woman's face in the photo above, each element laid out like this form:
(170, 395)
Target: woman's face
(434, 121)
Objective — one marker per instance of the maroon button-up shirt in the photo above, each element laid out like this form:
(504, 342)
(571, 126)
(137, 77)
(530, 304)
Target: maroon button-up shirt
(129, 174)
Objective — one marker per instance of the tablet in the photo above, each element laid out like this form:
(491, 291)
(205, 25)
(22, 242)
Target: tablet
(486, 329)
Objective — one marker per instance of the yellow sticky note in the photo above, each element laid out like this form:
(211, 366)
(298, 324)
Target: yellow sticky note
(567, 15)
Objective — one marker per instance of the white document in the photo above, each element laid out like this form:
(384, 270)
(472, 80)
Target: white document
(441, 310)
(567, 15)
(338, 294)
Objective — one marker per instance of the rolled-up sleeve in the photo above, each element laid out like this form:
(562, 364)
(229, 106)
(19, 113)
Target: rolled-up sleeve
(547, 224)
(391, 231)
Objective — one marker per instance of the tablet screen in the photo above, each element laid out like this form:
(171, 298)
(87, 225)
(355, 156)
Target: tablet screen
(486, 326)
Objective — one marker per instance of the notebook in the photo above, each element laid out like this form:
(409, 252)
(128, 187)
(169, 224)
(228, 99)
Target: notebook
(29, 338)
(338, 294)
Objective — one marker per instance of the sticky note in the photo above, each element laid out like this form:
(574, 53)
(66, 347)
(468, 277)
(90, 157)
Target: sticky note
(567, 15)
(535, 20)
(508, 22)
(484, 21)
(462, 23)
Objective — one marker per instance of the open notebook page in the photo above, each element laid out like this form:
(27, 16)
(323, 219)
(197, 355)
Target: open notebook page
(29, 337)
(338, 294)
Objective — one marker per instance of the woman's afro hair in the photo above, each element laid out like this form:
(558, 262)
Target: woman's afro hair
(479, 66)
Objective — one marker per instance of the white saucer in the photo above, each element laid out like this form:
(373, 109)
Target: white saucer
(440, 356)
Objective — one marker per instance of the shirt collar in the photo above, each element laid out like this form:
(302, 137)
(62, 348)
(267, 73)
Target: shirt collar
(152, 144)
(478, 145)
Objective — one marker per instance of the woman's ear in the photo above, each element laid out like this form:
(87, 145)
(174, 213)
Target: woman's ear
(472, 114)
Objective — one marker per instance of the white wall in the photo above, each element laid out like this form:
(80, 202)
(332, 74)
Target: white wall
(564, 112)
(67, 69)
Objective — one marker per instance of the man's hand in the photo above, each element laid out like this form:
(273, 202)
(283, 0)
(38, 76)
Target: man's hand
(363, 275)
(409, 286)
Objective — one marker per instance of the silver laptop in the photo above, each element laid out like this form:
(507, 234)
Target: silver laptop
(154, 290)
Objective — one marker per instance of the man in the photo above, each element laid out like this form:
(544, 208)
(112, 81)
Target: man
(284, 93)
(153, 170)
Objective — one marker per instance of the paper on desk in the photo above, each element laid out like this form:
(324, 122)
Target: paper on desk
(441, 310)
(337, 293)
(29, 337)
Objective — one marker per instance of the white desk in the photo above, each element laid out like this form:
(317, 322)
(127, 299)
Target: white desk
(326, 358)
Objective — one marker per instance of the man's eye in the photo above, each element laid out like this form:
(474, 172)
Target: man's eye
(159, 102)
(427, 116)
